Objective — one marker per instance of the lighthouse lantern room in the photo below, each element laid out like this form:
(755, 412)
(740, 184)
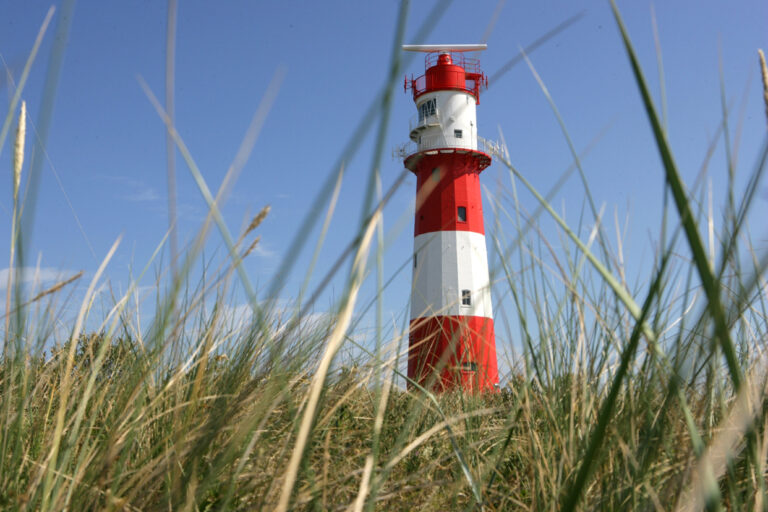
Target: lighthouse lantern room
(451, 339)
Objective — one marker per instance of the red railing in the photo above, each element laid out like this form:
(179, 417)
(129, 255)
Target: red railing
(474, 77)
(469, 64)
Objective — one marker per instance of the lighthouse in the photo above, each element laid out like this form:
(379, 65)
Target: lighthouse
(451, 339)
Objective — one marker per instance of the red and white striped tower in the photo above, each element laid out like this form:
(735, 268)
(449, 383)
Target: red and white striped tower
(452, 339)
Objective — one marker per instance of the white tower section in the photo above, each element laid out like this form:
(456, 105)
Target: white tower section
(445, 119)
(448, 262)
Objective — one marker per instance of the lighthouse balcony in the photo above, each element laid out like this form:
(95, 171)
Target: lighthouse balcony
(447, 143)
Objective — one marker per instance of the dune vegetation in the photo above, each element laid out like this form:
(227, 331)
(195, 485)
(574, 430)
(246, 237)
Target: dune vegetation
(647, 397)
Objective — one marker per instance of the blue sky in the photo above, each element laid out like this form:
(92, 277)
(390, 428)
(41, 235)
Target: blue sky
(107, 144)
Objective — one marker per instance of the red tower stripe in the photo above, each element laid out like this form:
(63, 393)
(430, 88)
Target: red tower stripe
(462, 349)
(448, 196)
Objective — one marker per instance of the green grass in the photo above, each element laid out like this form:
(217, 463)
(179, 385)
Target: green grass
(648, 397)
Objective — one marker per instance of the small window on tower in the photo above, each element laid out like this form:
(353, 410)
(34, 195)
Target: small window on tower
(462, 214)
(436, 174)
(457, 134)
(415, 259)
(427, 109)
(466, 298)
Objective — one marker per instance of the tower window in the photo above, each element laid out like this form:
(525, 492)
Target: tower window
(462, 214)
(415, 259)
(428, 108)
(436, 174)
(457, 134)
(466, 298)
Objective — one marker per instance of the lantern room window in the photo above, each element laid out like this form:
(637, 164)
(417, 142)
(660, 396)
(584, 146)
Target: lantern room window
(462, 214)
(428, 108)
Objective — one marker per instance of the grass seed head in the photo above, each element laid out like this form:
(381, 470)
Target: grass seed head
(251, 247)
(255, 222)
(258, 219)
(764, 72)
(18, 150)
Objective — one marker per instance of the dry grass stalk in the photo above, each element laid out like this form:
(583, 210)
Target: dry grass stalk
(764, 72)
(53, 289)
(335, 340)
(58, 286)
(49, 474)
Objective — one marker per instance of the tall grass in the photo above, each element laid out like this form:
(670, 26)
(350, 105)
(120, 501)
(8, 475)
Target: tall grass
(645, 397)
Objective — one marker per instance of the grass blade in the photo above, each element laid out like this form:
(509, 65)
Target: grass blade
(686, 216)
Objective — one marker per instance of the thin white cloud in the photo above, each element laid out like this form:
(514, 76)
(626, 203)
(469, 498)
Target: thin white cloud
(146, 195)
(263, 251)
(240, 316)
(136, 190)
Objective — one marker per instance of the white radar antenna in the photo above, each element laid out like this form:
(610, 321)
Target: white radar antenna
(428, 48)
